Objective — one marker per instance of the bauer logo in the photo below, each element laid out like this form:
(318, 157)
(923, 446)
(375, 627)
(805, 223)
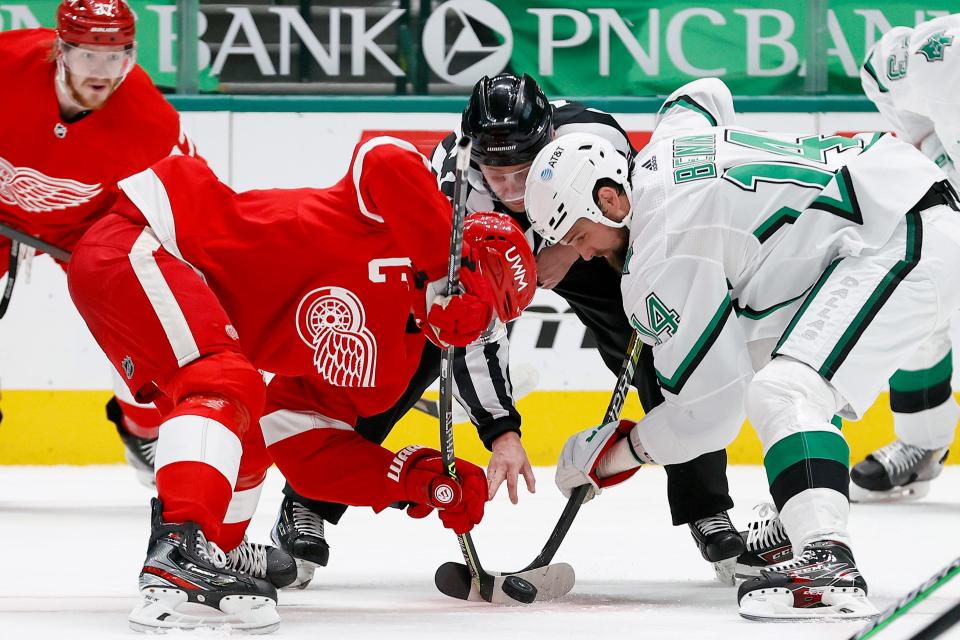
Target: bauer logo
(462, 41)
(443, 494)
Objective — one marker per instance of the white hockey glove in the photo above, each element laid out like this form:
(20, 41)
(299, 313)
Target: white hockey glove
(581, 457)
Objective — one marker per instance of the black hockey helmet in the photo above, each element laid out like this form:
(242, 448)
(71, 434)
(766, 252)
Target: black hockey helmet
(508, 119)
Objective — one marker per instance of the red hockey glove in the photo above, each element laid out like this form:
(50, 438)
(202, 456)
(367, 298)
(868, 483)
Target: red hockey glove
(425, 483)
(459, 319)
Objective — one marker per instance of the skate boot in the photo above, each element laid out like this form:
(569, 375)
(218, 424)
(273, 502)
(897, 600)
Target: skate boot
(766, 540)
(898, 471)
(822, 583)
(274, 565)
(299, 532)
(139, 452)
(185, 577)
(719, 543)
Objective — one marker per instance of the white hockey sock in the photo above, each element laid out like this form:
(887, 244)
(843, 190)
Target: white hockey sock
(816, 514)
(929, 429)
(623, 456)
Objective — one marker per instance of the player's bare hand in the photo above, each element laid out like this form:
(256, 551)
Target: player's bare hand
(509, 461)
(553, 262)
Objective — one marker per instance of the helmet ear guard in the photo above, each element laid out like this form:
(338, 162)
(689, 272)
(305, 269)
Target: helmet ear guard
(506, 261)
(562, 180)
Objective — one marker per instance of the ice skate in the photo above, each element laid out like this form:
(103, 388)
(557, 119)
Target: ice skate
(186, 584)
(263, 561)
(719, 543)
(299, 532)
(896, 472)
(823, 583)
(139, 453)
(766, 541)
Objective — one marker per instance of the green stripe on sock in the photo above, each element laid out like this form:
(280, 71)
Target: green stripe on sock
(924, 378)
(802, 446)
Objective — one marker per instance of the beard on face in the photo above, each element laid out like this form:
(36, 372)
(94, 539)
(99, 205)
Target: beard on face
(617, 257)
(81, 99)
(616, 261)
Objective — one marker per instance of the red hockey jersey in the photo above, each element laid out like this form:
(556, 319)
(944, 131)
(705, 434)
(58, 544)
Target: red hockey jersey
(317, 282)
(58, 177)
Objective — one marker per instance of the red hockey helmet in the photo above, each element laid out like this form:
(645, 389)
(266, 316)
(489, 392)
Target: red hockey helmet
(506, 260)
(89, 22)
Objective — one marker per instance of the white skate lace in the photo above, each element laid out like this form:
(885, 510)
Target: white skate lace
(808, 556)
(249, 558)
(306, 521)
(765, 530)
(713, 524)
(898, 457)
(210, 552)
(148, 449)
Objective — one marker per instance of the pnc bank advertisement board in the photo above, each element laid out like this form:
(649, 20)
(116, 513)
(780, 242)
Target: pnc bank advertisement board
(572, 47)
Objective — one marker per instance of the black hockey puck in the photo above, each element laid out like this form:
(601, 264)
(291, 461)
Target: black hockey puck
(519, 589)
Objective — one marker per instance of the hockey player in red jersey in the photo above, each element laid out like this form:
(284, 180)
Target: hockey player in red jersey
(192, 290)
(77, 115)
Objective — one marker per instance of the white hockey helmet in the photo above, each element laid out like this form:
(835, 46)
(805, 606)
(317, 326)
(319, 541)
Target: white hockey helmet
(562, 179)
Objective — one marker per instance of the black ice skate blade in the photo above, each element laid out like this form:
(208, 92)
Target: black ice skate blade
(549, 583)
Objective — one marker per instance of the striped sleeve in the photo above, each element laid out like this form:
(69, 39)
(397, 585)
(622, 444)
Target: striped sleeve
(481, 382)
(443, 163)
(573, 117)
(481, 376)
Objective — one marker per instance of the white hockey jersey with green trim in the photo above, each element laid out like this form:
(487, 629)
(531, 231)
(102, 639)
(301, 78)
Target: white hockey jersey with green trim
(731, 228)
(913, 76)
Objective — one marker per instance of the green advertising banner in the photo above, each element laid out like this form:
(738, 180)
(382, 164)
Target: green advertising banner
(572, 47)
(635, 47)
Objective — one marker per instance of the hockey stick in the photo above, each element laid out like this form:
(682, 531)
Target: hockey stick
(17, 238)
(517, 588)
(943, 622)
(14, 266)
(36, 243)
(455, 575)
(908, 601)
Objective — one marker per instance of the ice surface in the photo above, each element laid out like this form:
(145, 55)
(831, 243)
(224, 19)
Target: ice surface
(72, 539)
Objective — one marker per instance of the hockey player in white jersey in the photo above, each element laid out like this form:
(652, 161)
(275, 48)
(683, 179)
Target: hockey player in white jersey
(781, 277)
(913, 76)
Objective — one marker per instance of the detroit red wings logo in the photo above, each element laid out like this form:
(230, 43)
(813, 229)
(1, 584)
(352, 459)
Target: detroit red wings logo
(36, 192)
(332, 321)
